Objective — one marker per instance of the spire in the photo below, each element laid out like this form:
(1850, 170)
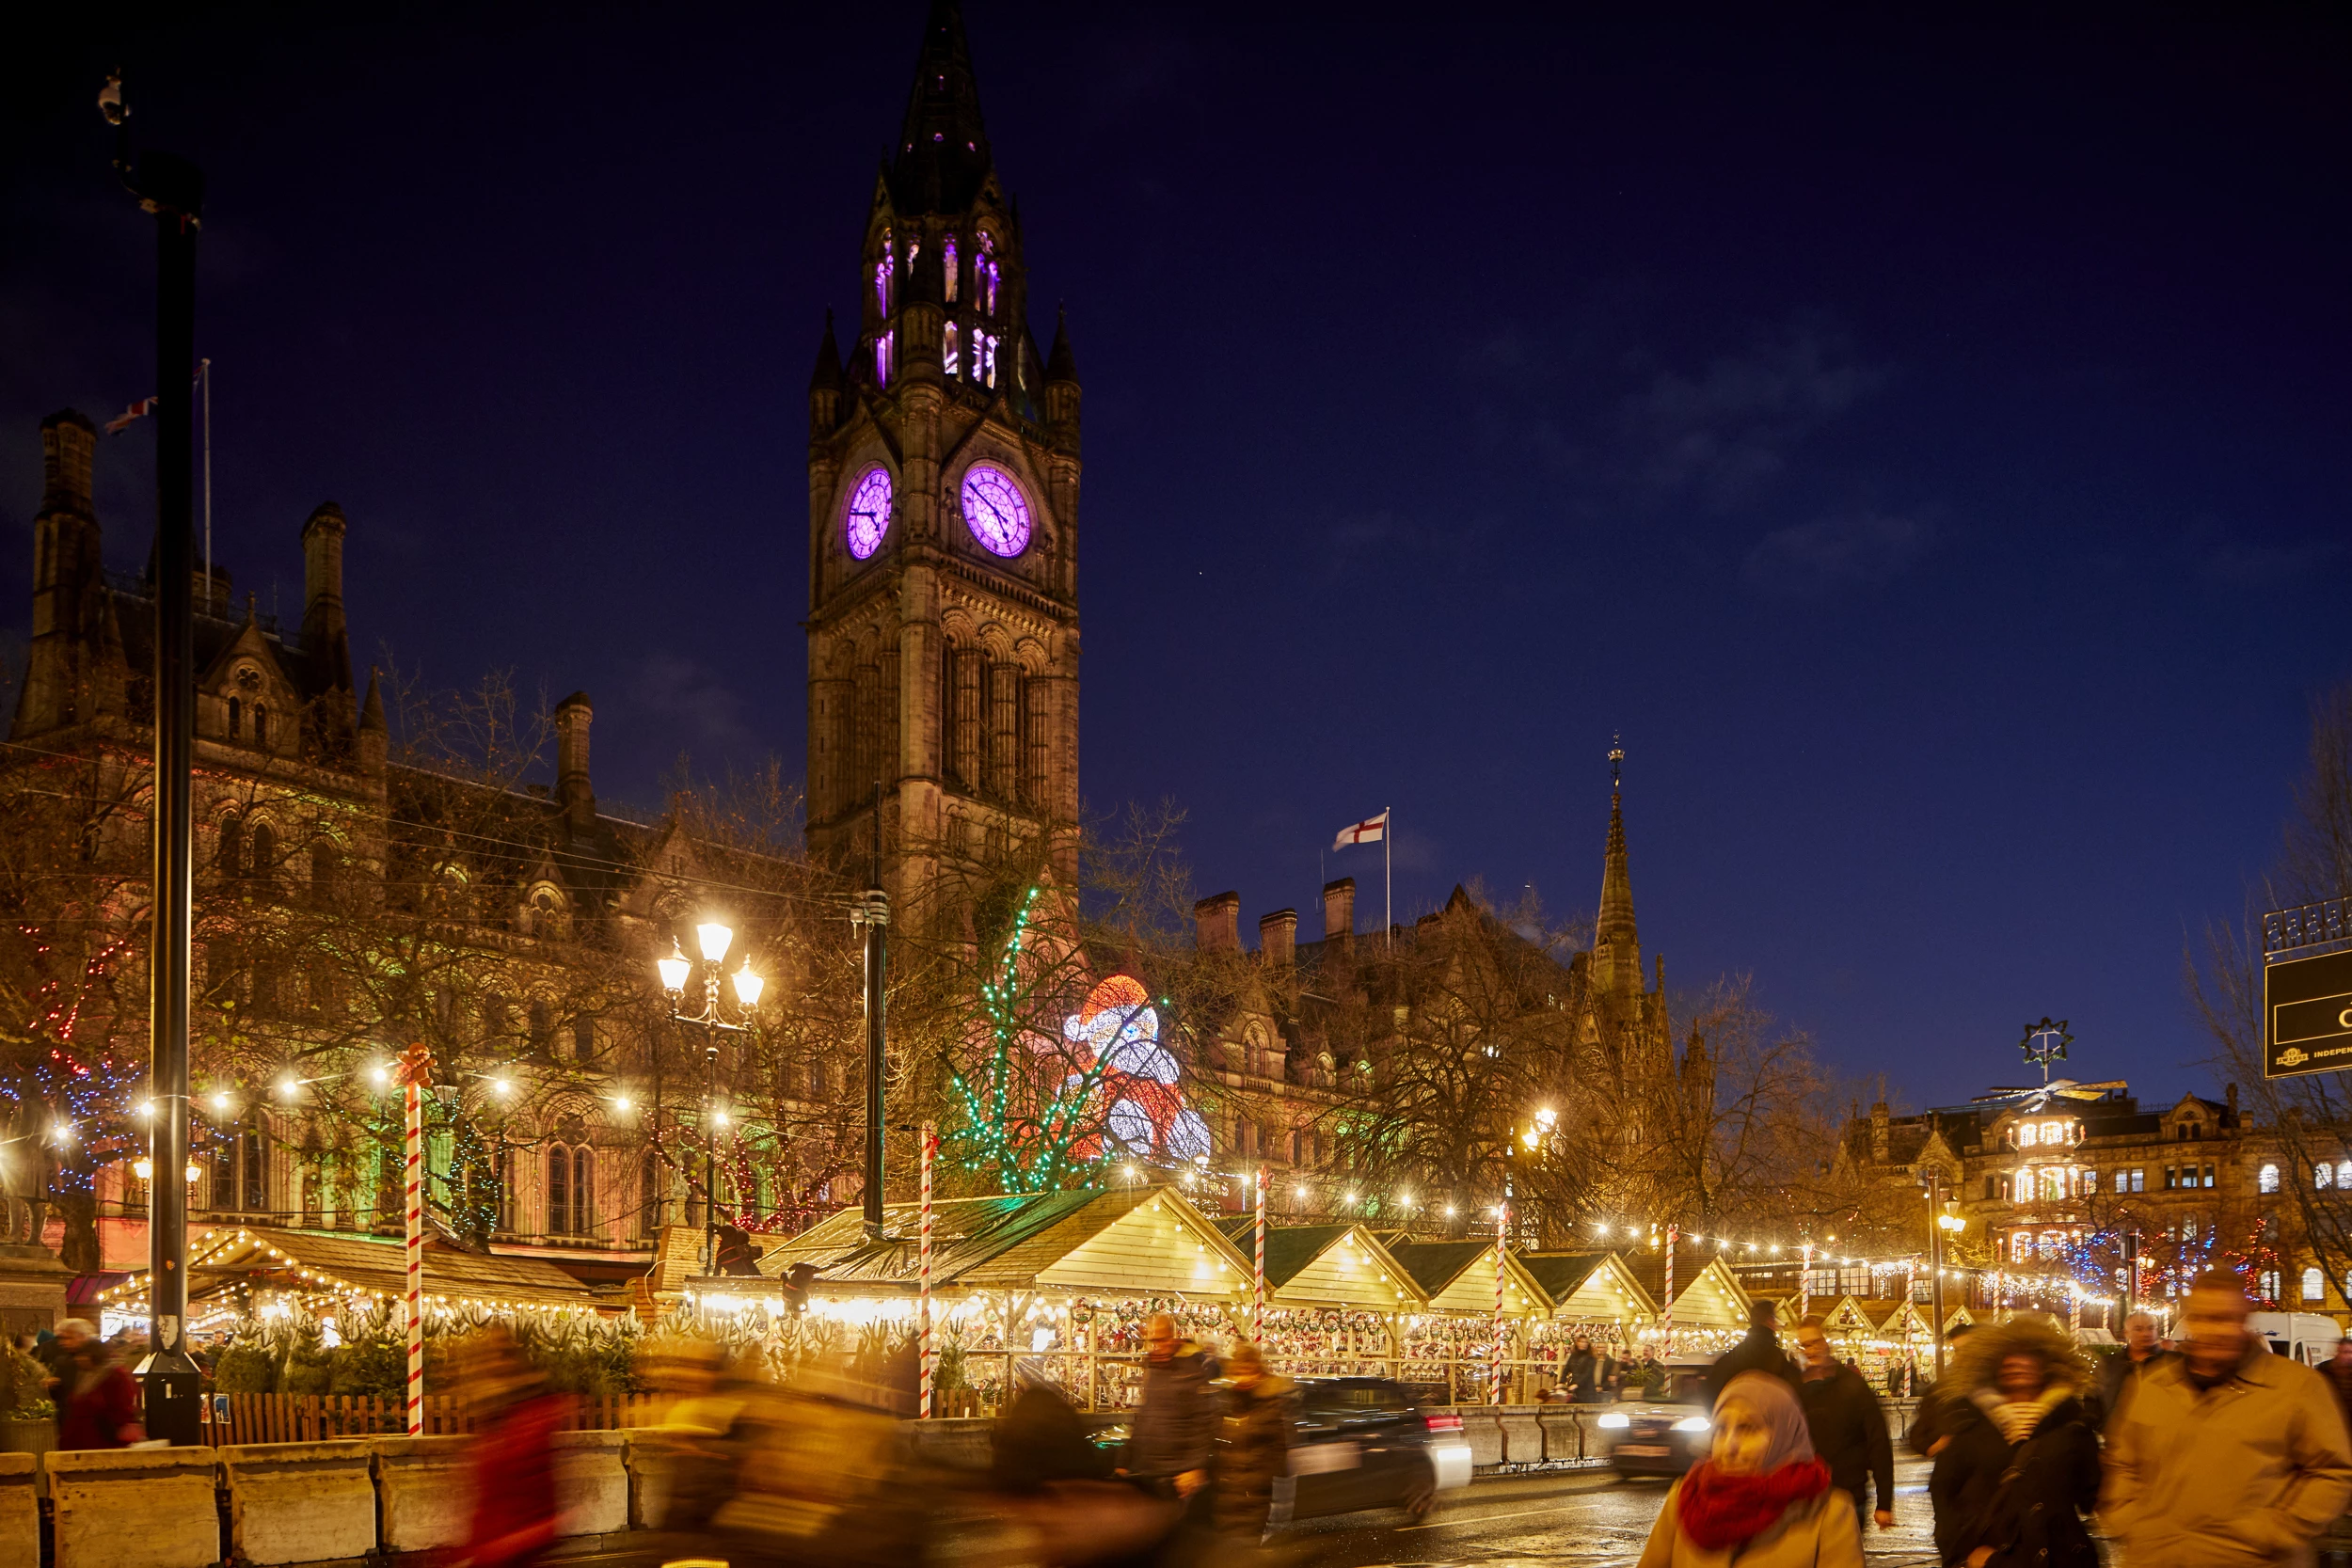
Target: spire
(827, 376)
(1061, 365)
(371, 710)
(1616, 950)
(941, 157)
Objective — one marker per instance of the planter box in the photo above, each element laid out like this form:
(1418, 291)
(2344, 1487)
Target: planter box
(300, 1502)
(425, 1497)
(19, 1509)
(134, 1508)
(591, 1483)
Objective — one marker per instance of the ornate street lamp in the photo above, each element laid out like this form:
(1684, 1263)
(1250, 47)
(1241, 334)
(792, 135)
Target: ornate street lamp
(712, 937)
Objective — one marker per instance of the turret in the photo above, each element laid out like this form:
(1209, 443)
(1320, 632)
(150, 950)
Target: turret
(1061, 386)
(824, 384)
(325, 637)
(373, 736)
(572, 788)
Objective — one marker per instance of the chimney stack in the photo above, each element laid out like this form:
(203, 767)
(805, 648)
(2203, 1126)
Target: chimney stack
(1339, 910)
(324, 639)
(68, 445)
(1277, 937)
(571, 761)
(1216, 923)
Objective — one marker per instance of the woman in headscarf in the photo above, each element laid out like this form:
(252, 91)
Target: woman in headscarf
(2023, 1466)
(1759, 1498)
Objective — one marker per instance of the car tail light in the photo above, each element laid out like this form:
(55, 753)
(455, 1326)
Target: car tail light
(1443, 1423)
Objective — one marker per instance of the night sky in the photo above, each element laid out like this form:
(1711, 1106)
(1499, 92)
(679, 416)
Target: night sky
(1928, 444)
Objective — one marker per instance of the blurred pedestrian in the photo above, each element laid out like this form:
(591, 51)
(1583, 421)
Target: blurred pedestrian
(1040, 1437)
(1583, 1371)
(2228, 1455)
(1759, 1496)
(2120, 1374)
(1759, 1352)
(2022, 1465)
(1253, 1443)
(2339, 1375)
(98, 1399)
(1846, 1422)
(1174, 1433)
(515, 1421)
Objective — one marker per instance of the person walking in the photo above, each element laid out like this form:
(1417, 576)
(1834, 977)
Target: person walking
(2230, 1455)
(1584, 1373)
(1253, 1444)
(1174, 1433)
(2020, 1467)
(2339, 1374)
(1759, 1352)
(1760, 1497)
(1846, 1424)
(512, 1457)
(98, 1399)
(2120, 1374)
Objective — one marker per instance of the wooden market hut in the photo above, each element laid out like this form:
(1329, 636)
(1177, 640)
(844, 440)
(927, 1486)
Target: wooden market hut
(1710, 1310)
(1593, 1290)
(1459, 1277)
(1325, 1265)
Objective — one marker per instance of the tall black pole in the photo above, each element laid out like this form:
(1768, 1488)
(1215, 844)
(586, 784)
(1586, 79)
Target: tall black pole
(1935, 1254)
(710, 1135)
(173, 190)
(873, 912)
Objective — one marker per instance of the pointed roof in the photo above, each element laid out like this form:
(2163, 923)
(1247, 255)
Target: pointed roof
(372, 711)
(827, 376)
(941, 158)
(1061, 365)
(1325, 1265)
(1459, 1276)
(1617, 948)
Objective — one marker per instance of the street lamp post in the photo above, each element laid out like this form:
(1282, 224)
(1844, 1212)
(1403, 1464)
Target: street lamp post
(1945, 1220)
(712, 939)
(173, 190)
(872, 913)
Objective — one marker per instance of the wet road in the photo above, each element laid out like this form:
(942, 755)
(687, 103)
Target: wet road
(1587, 1518)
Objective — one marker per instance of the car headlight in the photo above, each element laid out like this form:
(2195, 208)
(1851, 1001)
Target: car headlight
(1616, 1418)
(1693, 1423)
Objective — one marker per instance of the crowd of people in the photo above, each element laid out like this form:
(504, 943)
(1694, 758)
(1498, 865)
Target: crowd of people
(87, 1382)
(2216, 1453)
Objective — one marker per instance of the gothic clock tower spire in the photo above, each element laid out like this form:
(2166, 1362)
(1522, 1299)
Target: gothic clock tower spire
(942, 483)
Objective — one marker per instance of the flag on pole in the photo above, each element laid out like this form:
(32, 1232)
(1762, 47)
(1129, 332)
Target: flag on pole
(123, 420)
(1372, 830)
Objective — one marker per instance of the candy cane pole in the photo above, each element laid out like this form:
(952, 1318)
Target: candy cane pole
(1666, 1320)
(931, 1147)
(416, 1069)
(1502, 1235)
(1804, 1284)
(1257, 1297)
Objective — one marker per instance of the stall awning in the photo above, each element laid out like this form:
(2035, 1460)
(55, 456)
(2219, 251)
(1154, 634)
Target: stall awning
(333, 1262)
(1325, 1265)
(1130, 1241)
(1590, 1286)
(1459, 1276)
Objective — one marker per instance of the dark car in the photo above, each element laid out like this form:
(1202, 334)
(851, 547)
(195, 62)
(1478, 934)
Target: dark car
(1662, 1434)
(1357, 1443)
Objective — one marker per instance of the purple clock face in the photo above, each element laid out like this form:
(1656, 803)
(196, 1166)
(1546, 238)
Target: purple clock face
(994, 510)
(870, 514)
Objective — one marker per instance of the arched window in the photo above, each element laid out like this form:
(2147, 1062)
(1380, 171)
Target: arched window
(648, 1196)
(883, 346)
(559, 1190)
(2266, 1179)
(2323, 1176)
(947, 263)
(505, 1168)
(231, 853)
(2028, 1135)
(2267, 1282)
(2344, 1175)
(584, 1191)
(2314, 1285)
(816, 1081)
(236, 716)
(947, 350)
(323, 863)
(265, 841)
(884, 265)
(542, 1023)
(984, 276)
(261, 725)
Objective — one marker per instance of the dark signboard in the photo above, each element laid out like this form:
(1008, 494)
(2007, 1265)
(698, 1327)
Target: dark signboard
(2307, 1013)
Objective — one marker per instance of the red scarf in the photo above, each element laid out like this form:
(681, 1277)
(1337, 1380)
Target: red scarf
(1719, 1510)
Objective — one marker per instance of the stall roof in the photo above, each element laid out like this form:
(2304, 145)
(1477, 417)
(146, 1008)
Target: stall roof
(1447, 1274)
(1578, 1282)
(336, 1261)
(1325, 1265)
(1131, 1240)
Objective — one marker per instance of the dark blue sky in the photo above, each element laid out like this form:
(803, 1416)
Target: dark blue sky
(1926, 442)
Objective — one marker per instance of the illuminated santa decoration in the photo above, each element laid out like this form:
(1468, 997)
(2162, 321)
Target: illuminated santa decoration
(1116, 1039)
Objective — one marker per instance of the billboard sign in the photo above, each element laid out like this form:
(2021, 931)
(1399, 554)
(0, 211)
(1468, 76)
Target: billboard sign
(2307, 1015)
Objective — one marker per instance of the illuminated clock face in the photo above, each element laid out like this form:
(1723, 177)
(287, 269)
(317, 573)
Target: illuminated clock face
(870, 514)
(994, 510)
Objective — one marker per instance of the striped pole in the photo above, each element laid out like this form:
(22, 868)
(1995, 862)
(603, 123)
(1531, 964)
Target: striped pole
(931, 1146)
(1666, 1320)
(1502, 1238)
(1804, 1284)
(416, 1069)
(1257, 1296)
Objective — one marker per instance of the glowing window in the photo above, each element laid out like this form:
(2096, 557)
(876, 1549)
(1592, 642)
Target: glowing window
(948, 349)
(2053, 1132)
(947, 261)
(881, 358)
(2028, 1135)
(984, 276)
(2314, 1285)
(2266, 1179)
(2323, 1176)
(883, 265)
(2344, 1175)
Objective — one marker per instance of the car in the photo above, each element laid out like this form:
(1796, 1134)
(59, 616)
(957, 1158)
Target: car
(1662, 1434)
(1360, 1443)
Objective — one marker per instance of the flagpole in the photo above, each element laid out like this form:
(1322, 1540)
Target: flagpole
(1387, 881)
(204, 371)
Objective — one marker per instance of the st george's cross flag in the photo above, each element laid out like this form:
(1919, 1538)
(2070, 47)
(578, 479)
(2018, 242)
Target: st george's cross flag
(1372, 830)
(131, 416)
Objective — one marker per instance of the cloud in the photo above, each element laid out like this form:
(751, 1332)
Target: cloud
(1857, 550)
(685, 694)
(1726, 432)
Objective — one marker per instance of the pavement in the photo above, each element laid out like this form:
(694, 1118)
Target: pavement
(1589, 1518)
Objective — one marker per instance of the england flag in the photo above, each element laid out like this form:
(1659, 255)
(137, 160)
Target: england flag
(1372, 830)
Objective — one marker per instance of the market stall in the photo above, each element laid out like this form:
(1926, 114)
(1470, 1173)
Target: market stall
(1452, 1340)
(1334, 1296)
(1709, 1312)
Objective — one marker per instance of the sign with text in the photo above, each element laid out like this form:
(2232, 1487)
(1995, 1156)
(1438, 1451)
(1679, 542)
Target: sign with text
(2307, 1013)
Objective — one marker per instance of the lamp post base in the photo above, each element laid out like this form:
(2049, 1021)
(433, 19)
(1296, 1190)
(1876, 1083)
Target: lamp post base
(174, 1402)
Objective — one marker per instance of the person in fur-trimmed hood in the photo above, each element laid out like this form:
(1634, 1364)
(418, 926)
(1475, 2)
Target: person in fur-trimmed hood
(2023, 1467)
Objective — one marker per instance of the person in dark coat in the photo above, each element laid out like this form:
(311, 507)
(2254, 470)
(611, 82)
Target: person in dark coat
(1847, 1423)
(1584, 1373)
(1253, 1444)
(2022, 1464)
(1040, 1439)
(2338, 1371)
(1174, 1433)
(2120, 1374)
(1759, 1352)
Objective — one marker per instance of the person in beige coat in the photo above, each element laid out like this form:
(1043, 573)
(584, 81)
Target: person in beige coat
(1759, 1498)
(2228, 1457)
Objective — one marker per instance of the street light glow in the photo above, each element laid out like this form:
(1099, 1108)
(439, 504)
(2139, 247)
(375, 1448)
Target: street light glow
(620, 1102)
(220, 1103)
(714, 938)
(748, 984)
(379, 1076)
(672, 970)
(499, 1086)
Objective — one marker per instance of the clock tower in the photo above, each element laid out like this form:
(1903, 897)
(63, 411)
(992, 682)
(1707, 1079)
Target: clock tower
(943, 510)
